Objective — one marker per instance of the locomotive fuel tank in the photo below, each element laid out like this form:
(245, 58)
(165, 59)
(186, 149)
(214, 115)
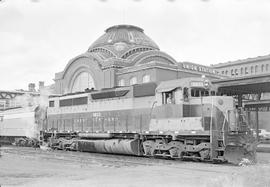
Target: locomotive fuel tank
(113, 146)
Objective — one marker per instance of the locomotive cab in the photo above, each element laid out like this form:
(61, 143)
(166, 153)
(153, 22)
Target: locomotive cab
(179, 105)
(180, 91)
(174, 97)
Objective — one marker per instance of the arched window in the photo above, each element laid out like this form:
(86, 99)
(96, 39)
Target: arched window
(266, 67)
(256, 69)
(251, 70)
(146, 78)
(246, 70)
(132, 81)
(236, 71)
(262, 68)
(121, 82)
(242, 71)
(82, 81)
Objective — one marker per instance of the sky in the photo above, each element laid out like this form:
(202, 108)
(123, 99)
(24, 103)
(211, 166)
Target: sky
(39, 37)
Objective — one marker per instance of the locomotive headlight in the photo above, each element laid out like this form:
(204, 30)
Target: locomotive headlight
(206, 83)
(220, 101)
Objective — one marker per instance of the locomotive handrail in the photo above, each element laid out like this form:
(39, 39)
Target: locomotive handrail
(223, 128)
(152, 108)
(211, 121)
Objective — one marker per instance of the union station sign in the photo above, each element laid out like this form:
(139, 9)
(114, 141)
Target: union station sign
(198, 68)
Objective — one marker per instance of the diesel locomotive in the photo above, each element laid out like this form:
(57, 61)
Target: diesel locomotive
(183, 119)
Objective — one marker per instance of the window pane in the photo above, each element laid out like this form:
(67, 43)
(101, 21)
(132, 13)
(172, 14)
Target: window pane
(84, 80)
(51, 103)
(146, 78)
(133, 80)
(121, 82)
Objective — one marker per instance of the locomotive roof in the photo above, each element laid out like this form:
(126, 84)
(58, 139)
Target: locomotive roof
(137, 90)
(170, 85)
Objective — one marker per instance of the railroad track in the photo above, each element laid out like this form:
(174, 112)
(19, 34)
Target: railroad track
(109, 160)
(75, 156)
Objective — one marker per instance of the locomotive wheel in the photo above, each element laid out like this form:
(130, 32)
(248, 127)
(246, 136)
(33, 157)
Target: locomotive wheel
(175, 152)
(148, 148)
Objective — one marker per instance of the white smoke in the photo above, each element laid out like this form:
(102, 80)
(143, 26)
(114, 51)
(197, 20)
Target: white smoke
(31, 128)
(43, 99)
(29, 102)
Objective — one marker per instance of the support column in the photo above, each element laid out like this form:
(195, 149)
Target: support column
(257, 122)
(248, 118)
(240, 103)
(257, 116)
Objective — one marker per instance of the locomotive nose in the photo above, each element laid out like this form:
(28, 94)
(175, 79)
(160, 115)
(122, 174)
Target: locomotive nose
(240, 155)
(240, 149)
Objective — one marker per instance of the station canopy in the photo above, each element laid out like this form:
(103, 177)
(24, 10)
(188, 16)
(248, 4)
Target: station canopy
(244, 85)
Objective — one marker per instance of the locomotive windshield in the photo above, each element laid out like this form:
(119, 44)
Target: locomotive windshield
(201, 88)
(200, 92)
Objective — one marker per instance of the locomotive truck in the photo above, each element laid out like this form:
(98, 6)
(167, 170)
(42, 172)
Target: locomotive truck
(180, 119)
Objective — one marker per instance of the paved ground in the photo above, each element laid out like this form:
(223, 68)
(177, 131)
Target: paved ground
(30, 167)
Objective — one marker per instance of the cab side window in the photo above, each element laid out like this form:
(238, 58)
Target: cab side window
(168, 98)
(185, 94)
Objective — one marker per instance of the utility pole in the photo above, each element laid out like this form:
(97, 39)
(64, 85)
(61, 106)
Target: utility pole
(1, 119)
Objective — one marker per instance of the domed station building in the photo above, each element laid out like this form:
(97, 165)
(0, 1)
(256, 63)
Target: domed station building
(122, 56)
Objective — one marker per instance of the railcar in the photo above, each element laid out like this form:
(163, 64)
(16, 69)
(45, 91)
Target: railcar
(178, 119)
(18, 124)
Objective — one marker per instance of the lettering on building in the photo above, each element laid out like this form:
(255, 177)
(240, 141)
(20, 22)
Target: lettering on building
(198, 68)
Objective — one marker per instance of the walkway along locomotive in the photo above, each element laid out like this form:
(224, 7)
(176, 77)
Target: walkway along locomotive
(180, 119)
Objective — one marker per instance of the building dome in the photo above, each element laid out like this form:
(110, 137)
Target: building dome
(123, 52)
(120, 39)
(128, 34)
